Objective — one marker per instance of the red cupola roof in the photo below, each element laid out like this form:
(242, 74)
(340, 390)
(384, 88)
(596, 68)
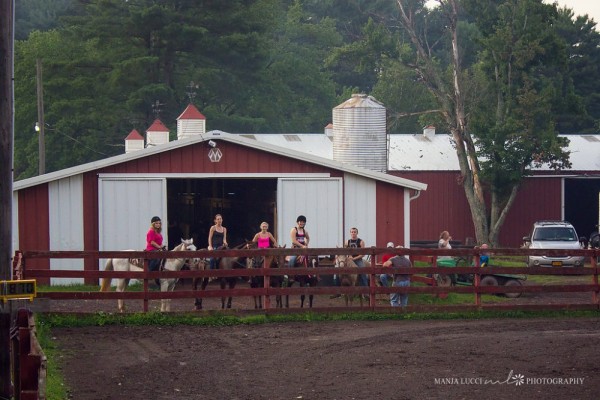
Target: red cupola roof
(134, 135)
(157, 126)
(191, 112)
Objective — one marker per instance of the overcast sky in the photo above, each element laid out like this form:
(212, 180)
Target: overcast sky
(580, 7)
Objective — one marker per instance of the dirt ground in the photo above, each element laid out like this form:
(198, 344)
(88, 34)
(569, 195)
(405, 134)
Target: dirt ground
(459, 359)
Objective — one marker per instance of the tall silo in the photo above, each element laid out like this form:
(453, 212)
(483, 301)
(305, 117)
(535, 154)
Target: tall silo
(359, 133)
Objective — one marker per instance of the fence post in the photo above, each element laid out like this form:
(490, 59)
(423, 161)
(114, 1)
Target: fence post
(28, 362)
(595, 279)
(267, 284)
(372, 285)
(145, 285)
(476, 283)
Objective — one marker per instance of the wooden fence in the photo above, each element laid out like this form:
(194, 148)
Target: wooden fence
(28, 361)
(428, 274)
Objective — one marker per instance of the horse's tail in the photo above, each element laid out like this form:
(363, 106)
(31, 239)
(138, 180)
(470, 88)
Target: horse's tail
(106, 281)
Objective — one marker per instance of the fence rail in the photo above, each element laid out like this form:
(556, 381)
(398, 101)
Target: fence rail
(429, 274)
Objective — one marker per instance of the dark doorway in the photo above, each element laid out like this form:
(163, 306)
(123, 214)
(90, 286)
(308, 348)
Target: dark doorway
(581, 204)
(243, 203)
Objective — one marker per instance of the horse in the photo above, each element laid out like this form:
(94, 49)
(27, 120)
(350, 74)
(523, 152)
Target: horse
(128, 264)
(223, 263)
(303, 280)
(348, 279)
(259, 281)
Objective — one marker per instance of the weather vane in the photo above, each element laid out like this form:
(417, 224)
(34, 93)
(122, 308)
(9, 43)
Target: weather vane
(157, 108)
(191, 93)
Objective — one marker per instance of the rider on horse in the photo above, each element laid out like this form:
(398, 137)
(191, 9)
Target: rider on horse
(299, 236)
(154, 242)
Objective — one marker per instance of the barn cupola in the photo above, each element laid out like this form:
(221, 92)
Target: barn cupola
(429, 132)
(134, 141)
(360, 134)
(329, 130)
(157, 134)
(190, 123)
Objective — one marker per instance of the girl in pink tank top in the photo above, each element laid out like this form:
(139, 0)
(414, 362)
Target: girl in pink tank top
(264, 239)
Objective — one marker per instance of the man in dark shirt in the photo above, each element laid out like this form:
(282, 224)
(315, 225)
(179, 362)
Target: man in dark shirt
(400, 280)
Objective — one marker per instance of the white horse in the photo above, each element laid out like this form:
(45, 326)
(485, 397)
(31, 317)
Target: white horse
(128, 264)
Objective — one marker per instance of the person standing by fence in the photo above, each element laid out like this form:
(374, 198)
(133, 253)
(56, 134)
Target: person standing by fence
(444, 243)
(400, 280)
(385, 278)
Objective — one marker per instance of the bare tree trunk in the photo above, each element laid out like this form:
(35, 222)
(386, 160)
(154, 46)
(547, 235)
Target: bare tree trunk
(453, 110)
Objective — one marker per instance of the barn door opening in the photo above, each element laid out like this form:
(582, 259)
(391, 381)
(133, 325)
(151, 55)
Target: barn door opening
(582, 204)
(243, 203)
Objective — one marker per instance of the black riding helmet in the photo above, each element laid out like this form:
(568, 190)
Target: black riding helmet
(301, 218)
(155, 219)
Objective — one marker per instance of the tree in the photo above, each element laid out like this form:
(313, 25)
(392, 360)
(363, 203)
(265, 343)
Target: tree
(498, 110)
(583, 114)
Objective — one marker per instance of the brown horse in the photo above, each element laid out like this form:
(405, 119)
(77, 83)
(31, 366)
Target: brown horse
(223, 263)
(348, 279)
(258, 281)
(303, 280)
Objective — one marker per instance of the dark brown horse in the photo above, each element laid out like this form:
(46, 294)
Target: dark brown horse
(259, 281)
(303, 280)
(223, 263)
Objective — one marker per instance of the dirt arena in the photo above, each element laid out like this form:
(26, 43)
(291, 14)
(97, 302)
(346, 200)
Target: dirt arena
(405, 359)
(458, 359)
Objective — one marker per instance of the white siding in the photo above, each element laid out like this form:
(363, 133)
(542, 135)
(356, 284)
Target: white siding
(125, 207)
(65, 198)
(360, 197)
(190, 127)
(133, 145)
(156, 138)
(320, 201)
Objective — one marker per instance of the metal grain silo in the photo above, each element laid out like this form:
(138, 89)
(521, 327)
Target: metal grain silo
(359, 133)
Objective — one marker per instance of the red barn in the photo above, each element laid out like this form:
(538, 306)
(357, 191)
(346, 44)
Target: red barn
(108, 204)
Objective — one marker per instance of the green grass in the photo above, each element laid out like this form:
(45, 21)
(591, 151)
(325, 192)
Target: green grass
(62, 320)
(68, 288)
(55, 386)
(76, 287)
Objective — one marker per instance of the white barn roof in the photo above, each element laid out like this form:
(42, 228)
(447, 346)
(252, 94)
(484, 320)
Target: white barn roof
(286, 151)
(415, 152)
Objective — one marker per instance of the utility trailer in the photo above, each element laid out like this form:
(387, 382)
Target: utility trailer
(486, 279)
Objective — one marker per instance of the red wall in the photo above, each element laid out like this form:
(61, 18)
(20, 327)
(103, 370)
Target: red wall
(390, 214)
(236, 159)
(443, 206)
(34, 225)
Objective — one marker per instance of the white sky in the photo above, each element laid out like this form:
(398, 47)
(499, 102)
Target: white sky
(580, 7)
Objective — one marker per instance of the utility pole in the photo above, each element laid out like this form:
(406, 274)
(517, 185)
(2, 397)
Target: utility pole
(40, 125)
(7, 32)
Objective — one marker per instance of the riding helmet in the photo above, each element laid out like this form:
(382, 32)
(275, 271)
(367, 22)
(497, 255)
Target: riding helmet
(155, 219)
